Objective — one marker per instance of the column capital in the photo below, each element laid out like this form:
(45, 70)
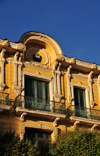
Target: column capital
(20, 58)
(16, 56)
(3, 52)
(90, 75)
(69, 69)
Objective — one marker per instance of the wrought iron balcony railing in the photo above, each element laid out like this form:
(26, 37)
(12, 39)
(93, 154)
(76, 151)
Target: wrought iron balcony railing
(4, 98)
(39, 104)
(83, 112)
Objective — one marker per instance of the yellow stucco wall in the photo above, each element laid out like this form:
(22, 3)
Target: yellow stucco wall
(10, 121)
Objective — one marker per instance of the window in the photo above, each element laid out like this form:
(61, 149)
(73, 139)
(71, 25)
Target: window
(80, 98)
(36, 94)
(38, 137)
(80, 102)
(37, 58)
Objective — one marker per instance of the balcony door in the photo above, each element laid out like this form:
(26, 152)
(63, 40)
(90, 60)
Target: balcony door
(80, 102)
(36, 94)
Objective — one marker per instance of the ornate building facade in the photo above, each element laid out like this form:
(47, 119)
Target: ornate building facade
(44, 93)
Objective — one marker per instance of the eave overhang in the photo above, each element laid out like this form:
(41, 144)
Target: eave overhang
(12, 47)
(79, 65)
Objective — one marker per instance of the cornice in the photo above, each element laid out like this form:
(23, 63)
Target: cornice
(82, 63)
(16, 46)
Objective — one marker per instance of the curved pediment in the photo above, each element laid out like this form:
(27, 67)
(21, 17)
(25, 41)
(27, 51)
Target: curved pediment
(39, 45)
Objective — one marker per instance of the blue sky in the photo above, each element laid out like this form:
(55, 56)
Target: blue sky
(74, 24)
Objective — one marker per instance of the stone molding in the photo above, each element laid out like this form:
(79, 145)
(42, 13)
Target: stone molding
(41, 36)
(57, 83)
(80, 75)
(48, 42)
(17, 89)
(75, 124)
(38, 75)
(72, 60)
(22, 117)
(80, 85)
(37, 66)
(99, 87)
(55, 121)
(2, 84)
(38, 126)
(69, 87)
(44, 51)
(57, 97)
(94, 66)
(17, 75)
(6, 43)
(91, 90)
(82, 63)
(95, 125)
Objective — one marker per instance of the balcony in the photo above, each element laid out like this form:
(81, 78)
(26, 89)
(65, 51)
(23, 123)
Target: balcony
(35, 106)
(4, 101)
(83, 115)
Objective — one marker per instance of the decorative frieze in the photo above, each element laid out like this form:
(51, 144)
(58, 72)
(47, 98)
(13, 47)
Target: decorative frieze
(38, 67)
(80, 75)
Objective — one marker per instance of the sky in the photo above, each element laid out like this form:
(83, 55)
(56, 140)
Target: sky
(74, 24)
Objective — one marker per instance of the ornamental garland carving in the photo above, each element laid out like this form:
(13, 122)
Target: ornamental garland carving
(80, 75)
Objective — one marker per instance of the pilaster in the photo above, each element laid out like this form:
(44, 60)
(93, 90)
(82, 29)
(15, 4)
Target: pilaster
(91, 92)
(2, 84)
(69, 86)
(17, 75)
(57, 83)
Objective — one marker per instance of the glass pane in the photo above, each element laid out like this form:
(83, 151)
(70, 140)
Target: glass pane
(27, 86)
(35, 88)
(39, 89)
(40, 143)
(43, 91)
(79, 96)
(40, 135)
(76, 96)
(47, 91)
(33, 142)
(32, 135)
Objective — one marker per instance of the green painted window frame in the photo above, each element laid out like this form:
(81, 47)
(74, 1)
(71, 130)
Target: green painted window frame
(37, 88)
